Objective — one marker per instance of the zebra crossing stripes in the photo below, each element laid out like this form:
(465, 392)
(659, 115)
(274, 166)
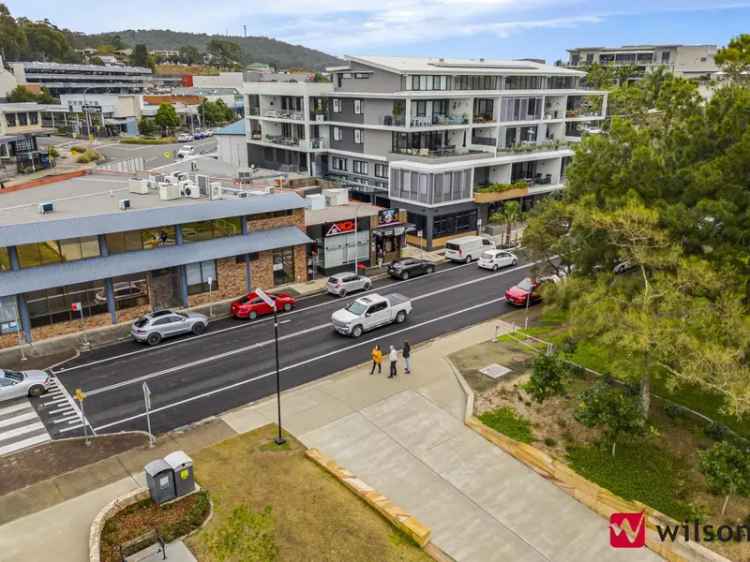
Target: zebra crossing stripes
(20, 426)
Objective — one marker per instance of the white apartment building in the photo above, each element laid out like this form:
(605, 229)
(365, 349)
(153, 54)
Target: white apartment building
(427, 134)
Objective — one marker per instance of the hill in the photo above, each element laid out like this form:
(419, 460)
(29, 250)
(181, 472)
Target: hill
(253, 49)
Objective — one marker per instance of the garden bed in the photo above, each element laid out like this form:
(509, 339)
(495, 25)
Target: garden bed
(147, 140)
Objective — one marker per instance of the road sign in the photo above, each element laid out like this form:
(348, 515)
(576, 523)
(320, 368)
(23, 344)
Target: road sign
(76, 307)
(265, 298)
(147, 395)
(80, 395)
(168, 155)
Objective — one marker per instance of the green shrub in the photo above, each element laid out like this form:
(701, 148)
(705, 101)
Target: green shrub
(550, 442)
(547, 377)
(508, 422)
(147, 140)
(78, 149)
(90, 155)
(53, 152)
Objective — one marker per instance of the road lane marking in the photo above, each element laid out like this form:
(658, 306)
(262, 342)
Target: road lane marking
(15, 407)
(21, 430)
(300, 310)
(23, 417)
(18, 445)
(295, 365)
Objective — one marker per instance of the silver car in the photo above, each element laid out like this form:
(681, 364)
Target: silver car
(154, 327)
(19, 384)
(341, 284)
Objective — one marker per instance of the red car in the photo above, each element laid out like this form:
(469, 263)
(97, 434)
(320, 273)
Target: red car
(528, 289)
(251, 305)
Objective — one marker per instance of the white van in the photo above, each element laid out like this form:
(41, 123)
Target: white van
(468, 248)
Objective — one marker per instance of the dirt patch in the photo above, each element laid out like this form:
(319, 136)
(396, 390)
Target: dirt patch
(314, 517)
(57, 457)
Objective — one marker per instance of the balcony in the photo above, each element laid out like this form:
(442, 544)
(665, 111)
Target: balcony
(575, 113)
(484, 141)
(439, 120)
(284, 114)
(392, 121)
(318, 143)
(483, 118)
(531, 146)
(285, 141)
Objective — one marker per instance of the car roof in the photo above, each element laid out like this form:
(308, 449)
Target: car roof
(159, 313)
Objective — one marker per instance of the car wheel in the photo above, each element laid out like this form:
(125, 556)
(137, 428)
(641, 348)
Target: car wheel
(514, 262)
(430, 270)
(253, 315)
(199, 328)
(342, 293)
(287, 306)
(468, 259)
(400, 317)
(367, 287)
(153, 339)
(357, 331)
(495, 267)
(404, 276)
(36, 390)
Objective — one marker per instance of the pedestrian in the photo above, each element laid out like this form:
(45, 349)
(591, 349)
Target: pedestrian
(377, 360)
(380, 256)
(393, 358)
(406, 353)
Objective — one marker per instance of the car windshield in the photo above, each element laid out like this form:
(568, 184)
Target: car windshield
(141, 322)
(333, 280)
(488, 256)
(526, 285)
(357, 308)
(13, 375)
(181, 314)
(452, 246)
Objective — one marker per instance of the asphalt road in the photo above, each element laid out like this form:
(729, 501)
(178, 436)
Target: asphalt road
(232, 364)
(152, 154)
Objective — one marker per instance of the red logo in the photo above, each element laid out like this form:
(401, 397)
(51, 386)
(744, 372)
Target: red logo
(341, 227)
(627, 530)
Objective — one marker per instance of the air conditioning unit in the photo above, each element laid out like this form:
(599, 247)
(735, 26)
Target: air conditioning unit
(47, 207)
(189, 189)
(124, 204)
(169, 191)
(217, 191)
(316, 201)
(203, 184)
(336, 197)
(136, 185)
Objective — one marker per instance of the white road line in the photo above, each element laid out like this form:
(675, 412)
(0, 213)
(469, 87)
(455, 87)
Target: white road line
(72, 428)
(73, 404)
(15, 407)
(65, 409)
(299, 364)
(55, 401)
(298, 311)
(75, 416)
(24, 443)
(23, 417)
(21, 430)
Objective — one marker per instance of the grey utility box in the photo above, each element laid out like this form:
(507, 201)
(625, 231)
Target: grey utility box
(160, 478)
(182, 465)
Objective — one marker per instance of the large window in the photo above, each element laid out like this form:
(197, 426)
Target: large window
(54, 251)
(381, 170)
(475, 82)
(338, 164)
(10, 118)
(360, 167)
(135, 240)
(283, 266)
(454, 224)
(198, 275)
(129, 291)
(4, 259)
(56, 305)
(209, 230)
(431, 189)
(523, 82)
(271, 215)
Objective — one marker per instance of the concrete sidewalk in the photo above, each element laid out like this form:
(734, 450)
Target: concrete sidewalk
(406, 438)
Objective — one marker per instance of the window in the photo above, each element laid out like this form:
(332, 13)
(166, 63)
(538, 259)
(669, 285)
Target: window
(271, 215)
(665, 57)
(53, 251)
(360, 167)
(357, 107)
(4, 259)
(415, 82)
(198, 275)
(381, 170)
(10, 118)
(337, 133)
(338, 164)
(33, 118)
(358, 136)
(336, 105)
(209, 230)
(79, 248)
(55, 305)
(23, 119)
(8, 315)
(421, 108)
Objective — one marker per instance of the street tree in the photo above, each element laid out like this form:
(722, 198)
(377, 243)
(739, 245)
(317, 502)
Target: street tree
(727, 470)
(547, 236)
(508, 214)
(166, 118)
(547, 377)
(146, 126)
(611, 410)
(734, 59)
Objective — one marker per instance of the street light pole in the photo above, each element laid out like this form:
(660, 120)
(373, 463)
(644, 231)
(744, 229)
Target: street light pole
(280, 438)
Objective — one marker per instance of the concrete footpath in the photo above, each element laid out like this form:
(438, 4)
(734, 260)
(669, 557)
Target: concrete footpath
(406, 438)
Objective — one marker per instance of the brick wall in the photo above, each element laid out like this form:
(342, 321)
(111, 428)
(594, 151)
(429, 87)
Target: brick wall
(297, 218)
(231, 278)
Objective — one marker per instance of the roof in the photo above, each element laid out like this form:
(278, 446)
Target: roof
(637, 47)
(340, 212)
(236, 128)
(90, 67)
(405, 65)
(31, 106)
(185, 100)
(82, 271)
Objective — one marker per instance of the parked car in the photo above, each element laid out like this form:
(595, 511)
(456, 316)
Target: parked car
(467, 248)
(154, 327)
(622, 267)
(19, 384)
(187, 150)
(341, 284)
(199, 135)
(209, 132)
(528, 290)
(410, 267)
(370, 312)
(495, 259)
(251, 305)
(184, 137)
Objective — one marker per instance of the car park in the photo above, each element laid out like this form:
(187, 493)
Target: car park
(370, 312)
(157, 326)
(187, 150)
(252, 305)
(496, 259)
(341, 284)
(467, 248)
(410, 267)
(19, 384)
(184, 137)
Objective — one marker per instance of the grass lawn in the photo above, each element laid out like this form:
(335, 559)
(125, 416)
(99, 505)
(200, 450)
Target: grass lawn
(507, 422)
(314, 517)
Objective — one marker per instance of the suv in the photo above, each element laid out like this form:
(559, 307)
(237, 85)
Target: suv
(154, 327)
(410, 267)
(187, 150)
(184, 137)
(341, 284)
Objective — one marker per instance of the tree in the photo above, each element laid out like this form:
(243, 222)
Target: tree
(508, 214)
(547, 377)
(727, 470)
(117, 43)
(225, 53)
(13, 43)
(547, 234)
(599, 77)
(735, 58)
(190, 55)
(246, 536)
(96, 60)
(45, 97)
(166, 118)
(139, 56)
(20, 94)
(146, 126)
(225, 114)
(611, 410)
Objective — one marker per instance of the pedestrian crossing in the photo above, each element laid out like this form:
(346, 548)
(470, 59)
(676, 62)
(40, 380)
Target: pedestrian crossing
(61, 413)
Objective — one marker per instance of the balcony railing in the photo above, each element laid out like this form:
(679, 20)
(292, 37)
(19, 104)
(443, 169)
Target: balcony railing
(486, 141)
(531, 146)
(283, 114)
(392, 121)
(439, 120)
(573, 113)
(483, 118)
(285, 141)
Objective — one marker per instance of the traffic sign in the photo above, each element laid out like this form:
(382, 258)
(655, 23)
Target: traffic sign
(265, 298)
(76, 307)
(168, 155)
(80, 395)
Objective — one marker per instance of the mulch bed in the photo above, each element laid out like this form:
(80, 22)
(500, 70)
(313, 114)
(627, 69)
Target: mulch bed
(57, 457)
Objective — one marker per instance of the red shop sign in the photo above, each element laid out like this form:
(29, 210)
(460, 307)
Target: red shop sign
(341, 227)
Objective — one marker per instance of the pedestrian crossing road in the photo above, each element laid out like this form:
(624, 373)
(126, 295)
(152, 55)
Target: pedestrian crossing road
(27, 422)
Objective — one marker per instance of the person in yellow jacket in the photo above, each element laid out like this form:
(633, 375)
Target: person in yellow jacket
(377, 359)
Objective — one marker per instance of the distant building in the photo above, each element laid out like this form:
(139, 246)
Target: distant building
(77, 78)
(8, 81)
(688, 61)
(20, 125)
(231, 144)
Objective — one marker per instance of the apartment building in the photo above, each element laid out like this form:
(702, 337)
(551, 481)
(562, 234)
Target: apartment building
(688, 61)
(20, 126)
(428, 135)
(61, 78)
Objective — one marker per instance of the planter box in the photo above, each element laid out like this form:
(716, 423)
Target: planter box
(494, 197)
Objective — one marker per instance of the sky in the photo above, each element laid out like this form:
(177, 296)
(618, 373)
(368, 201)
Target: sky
(447, 28)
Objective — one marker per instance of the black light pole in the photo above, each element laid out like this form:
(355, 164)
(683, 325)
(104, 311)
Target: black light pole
(280, 438)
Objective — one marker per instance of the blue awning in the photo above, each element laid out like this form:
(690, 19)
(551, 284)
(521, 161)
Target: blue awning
(94, 269)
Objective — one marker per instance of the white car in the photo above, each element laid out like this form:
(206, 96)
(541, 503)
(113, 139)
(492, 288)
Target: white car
(184, 137)
(187, 150)
(18, 384)
(341, 284)
(495, 259)
(370, 312)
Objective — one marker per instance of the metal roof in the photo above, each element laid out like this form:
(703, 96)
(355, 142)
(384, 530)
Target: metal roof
(94, 269)
(434, 65)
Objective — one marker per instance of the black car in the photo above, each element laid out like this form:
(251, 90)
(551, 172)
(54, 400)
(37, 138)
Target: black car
(410, 267)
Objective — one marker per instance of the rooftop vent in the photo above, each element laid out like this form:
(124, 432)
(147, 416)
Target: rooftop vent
(124, 204)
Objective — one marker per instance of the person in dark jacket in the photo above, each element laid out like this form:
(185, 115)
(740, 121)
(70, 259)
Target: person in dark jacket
(406, 352)
(393, 359)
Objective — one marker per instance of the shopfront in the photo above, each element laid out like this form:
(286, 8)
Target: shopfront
(389, 235)
(339, 243)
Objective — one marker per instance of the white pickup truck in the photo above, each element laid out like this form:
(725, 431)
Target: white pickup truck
(370, 312)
